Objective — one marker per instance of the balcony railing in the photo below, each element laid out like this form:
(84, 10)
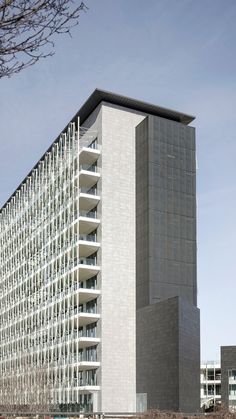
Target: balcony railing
(82, 383)
(91, 283)
(91, 333)
(88, 138)
(87, 358)
(89, 214)
(89, 168)
(87, 261)
(89, 191)
(88, 237)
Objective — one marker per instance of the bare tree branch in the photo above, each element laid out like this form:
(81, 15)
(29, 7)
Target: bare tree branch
(28, 28)
(30, 390)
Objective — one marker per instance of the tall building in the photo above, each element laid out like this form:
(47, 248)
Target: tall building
(98, 304)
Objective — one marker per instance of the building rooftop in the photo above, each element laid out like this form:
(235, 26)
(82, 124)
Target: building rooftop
(210, 363)
(99, 96)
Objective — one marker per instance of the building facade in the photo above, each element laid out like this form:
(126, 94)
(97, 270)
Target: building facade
(210, 378)
(98, 266)
(167, 316)
(218, 380)
(228, 366)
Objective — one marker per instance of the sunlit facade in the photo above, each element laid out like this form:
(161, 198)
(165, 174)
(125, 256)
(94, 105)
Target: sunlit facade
(50, 276)
(210, 376)
(77, 280)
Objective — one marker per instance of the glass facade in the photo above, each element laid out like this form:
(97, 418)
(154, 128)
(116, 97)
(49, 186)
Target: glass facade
(46, 281)
(232, 390)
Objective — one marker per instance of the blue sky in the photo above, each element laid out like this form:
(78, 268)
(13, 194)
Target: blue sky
(175, 53)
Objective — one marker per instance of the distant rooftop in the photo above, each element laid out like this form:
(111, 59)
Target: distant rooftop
(210, 362)
(99, 96)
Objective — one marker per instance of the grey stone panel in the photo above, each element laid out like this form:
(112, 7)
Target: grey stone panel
(163, 291)
(189, 358)
(165, 211)
(169, 177)
(172, 202)
(168, 355)
(142, 215)
(176, 249)
(177, 225)
(171, 131)
(157, 354)
(118, 259)
(172, 190)
(169, 154)
(228, 362)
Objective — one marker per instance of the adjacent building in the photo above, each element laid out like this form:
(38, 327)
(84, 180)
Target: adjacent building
(228, 367)
(210, 377)
(218, 380)
(98, 285)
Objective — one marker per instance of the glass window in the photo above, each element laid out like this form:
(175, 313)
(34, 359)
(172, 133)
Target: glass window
(232, 374)
(232, 389)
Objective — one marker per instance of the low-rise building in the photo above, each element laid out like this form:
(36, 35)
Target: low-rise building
(210, 377)
(228, 366)
(218, 380)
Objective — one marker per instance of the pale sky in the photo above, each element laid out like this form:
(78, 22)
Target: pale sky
(175, 53)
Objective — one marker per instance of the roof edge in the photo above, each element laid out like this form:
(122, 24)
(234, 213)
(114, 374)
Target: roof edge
(98, 96)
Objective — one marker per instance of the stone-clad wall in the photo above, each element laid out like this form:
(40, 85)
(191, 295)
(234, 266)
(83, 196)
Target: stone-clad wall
(166, 211)
(228, 362)
(118, 259)
(168, 361)
(168, 337)
(116, 134)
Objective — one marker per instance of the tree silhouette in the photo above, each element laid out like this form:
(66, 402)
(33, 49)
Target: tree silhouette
(28, 29)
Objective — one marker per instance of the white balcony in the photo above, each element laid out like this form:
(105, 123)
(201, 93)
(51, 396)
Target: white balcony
(86, 295)
(88, 318)
(86, 271)
(88, 178)
(88, 155)
(87, 247)
(88, 222)
(88, 199)
(88, 389)
(88, 365)
(207, 381)
(86, 342)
